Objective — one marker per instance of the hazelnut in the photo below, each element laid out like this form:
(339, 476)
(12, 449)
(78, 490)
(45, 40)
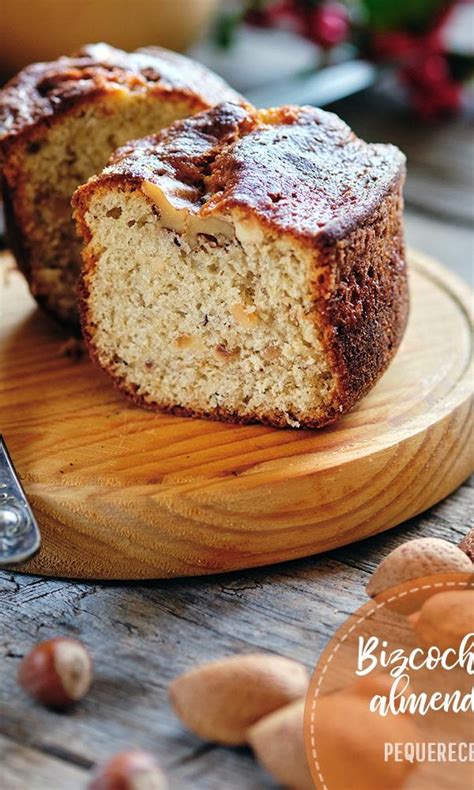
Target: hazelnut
(132, 770)
(57, 672)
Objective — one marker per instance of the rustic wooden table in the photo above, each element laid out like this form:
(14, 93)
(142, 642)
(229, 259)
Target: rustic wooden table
(142, 635)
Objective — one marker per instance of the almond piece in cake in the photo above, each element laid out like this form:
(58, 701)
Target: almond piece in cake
(246, 265)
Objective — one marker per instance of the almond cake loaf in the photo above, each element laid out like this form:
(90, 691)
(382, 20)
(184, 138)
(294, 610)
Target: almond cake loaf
(246, 266)
(59, 123)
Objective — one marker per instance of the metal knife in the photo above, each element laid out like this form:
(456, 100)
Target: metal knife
(19, 534)
(320, 88)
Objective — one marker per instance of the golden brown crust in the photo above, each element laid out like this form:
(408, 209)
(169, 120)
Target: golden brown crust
(45, 90)
(15, 241)
(44, 94)
(303, 174)
(300, 170)
(362, 299)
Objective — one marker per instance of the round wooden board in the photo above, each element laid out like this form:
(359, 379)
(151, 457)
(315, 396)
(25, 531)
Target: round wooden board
(122, 493)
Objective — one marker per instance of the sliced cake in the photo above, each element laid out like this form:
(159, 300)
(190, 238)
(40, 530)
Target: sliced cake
(246, 266)
(59, 123)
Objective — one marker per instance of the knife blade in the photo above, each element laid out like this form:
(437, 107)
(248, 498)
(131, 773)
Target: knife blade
(319, 88)
(19, 534)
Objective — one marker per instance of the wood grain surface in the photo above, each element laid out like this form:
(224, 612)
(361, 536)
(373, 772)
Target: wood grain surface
(123, 493)
(144, 633)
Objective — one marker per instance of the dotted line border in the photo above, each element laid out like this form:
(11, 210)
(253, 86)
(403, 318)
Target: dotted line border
(340, 641)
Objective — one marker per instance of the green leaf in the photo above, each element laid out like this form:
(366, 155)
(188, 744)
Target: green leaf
(411, 15)
(225, 29)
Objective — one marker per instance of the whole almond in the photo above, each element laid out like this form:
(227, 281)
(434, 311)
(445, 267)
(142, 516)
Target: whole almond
(467, 545)
(416, 558)
(350, 741)
(278, 743)
(221, 700)
(445, 619)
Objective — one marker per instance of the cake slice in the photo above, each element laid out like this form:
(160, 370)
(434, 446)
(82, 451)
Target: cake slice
(246, 266)
(59, 123)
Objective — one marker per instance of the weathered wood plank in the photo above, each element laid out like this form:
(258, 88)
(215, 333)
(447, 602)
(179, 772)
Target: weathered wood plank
(142, 635)
(29, 769)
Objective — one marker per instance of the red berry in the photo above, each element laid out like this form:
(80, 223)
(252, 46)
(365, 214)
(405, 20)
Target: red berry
(429, 70)
(393, 45)
(432, 40)
(449, 97)
(286, 14)
(432, 91)
(328, 24)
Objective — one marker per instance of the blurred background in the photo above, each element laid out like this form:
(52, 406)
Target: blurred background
(399, 71)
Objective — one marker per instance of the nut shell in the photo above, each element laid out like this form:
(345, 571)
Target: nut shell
(57, 672)
(350, 743)
(417, 558)
(278, 743)
(130, 770)
(221, 700)
(467, 545)
(445, 619)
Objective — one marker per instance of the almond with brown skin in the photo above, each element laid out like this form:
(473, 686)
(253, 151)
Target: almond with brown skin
(349, 743)
(278, 743)
(417, 558)
(221, 700)
(445, 619)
